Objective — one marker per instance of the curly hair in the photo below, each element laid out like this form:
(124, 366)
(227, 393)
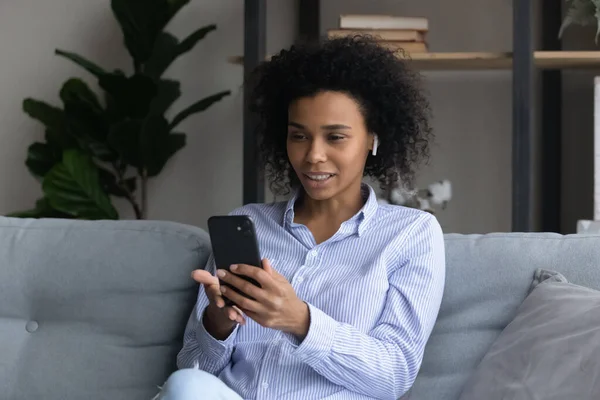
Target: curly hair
(388, 92)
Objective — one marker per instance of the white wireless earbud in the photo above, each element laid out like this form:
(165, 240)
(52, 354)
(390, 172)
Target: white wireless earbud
(375, 144)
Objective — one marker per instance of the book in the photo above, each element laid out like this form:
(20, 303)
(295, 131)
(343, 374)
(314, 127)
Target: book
(409, 47)
(374, 21)
(404, 35)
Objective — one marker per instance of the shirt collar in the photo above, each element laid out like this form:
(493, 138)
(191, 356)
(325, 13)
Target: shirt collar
(362, 217)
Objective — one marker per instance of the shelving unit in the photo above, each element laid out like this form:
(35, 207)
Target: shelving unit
(255, 34)
(522, 61)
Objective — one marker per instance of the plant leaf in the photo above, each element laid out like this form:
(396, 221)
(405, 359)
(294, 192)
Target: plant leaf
(148, 145)
(73, 187)
(168, 49)
(86, 121)
(167, 93)
(188, 43)
(82, 62)
(174, 7)
(175, 142)
(198, 107)
(129, 97)
(55, 142)
(42, 209)
(41, 157)
(141, 22)
(125, 138)
(110, 184)
(154, 139)
(158, 144)
(130, 184)
(53, 118)
(76, 90)
(162, 55)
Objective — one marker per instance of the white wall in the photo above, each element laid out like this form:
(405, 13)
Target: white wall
(205, 178)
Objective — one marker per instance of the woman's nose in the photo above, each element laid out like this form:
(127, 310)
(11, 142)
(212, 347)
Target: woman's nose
(317, 152)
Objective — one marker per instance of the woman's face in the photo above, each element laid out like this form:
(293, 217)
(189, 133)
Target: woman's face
(327, 143)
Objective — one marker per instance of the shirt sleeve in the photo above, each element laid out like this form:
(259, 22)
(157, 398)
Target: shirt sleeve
(200, 349)
(384, 362)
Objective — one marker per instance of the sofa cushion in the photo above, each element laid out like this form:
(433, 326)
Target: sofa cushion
(93, 309)
(487, 278)
(548, 351)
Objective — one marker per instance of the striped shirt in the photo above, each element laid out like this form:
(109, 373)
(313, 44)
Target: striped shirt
(373, 290)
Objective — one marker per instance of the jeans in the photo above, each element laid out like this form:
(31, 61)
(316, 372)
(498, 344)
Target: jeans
(194, 384)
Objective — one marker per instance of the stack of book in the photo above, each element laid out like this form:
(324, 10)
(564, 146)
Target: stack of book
(394, 32)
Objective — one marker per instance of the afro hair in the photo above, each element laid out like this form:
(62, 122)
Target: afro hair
(377, 77)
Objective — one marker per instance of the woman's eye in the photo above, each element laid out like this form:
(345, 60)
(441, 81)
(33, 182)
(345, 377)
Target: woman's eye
(297, 136)
(335, 137)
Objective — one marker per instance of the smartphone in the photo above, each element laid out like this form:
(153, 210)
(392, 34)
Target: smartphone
(233, 240)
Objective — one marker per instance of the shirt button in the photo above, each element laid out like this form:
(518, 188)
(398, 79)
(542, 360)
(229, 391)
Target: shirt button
(265, 385)
(300, 279)
(31, 326)
(313, 253)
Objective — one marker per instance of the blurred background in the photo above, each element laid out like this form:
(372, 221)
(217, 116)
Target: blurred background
(472, 109)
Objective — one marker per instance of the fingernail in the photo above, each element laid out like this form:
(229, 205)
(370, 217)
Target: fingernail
(221, 273)
(223, 289)
(233, 267)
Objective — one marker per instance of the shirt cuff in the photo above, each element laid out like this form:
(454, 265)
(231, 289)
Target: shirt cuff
(320, 337)
(213, 347)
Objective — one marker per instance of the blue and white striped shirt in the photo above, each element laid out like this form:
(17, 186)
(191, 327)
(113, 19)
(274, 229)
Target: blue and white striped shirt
(373, 290)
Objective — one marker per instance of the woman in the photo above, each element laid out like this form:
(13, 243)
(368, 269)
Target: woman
(350, 289)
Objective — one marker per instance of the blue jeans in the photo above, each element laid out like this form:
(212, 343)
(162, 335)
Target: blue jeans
(194, 384)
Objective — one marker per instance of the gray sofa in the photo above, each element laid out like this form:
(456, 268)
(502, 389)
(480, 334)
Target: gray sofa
(96, 310)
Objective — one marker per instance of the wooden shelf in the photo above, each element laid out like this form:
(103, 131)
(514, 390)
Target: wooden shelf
(445, 61)
(483, 61)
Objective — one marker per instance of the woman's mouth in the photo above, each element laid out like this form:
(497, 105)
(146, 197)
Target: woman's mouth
(317, 181)
(319, 177)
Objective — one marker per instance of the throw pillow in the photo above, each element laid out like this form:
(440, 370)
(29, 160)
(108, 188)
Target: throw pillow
(550, 350)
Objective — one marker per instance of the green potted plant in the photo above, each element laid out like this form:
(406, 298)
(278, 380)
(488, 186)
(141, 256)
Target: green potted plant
(94, 149)
(582, 12)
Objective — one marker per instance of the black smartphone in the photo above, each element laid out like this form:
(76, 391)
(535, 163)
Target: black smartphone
(233, 240)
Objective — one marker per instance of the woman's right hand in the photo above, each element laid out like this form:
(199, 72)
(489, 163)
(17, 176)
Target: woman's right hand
(220, 320)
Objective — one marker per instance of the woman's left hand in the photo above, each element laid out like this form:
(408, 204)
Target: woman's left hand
(275, 303)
